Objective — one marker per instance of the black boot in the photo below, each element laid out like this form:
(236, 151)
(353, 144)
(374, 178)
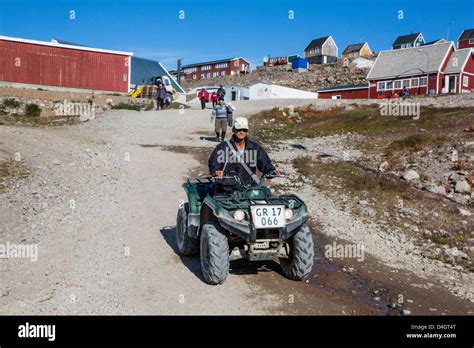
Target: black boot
(223, 136)
(217, 136)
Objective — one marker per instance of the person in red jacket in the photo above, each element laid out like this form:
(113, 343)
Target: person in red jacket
(214, 99)
(203, 96)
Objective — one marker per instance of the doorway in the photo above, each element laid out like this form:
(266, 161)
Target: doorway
(452, 84)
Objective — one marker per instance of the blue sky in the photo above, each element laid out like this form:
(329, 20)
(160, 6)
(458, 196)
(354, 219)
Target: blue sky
(220, 29)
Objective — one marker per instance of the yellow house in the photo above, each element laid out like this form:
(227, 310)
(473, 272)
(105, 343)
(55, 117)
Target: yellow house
(356, 51)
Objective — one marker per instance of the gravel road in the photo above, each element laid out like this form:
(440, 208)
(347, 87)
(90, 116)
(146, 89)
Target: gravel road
(100, 204)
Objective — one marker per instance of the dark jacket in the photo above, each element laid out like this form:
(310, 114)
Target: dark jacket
(255, 157)
(161, 93)
(221, 92)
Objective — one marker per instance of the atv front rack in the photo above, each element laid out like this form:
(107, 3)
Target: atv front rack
(231, 203)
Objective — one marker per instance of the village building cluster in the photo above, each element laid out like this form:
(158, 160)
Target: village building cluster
(412, 66)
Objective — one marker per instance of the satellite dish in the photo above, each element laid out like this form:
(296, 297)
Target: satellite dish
(265, 59)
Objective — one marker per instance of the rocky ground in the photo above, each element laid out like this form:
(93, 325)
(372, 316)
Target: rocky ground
(316, 78)
(99, 199)
(413, 188)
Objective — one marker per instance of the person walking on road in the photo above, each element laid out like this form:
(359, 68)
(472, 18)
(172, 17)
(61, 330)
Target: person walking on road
(214, 98)
(221, 92)
(222, 114)
(160, 97)
(203, 95)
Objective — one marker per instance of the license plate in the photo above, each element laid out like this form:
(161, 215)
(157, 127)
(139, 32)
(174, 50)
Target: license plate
(268, 216)
(261, 245)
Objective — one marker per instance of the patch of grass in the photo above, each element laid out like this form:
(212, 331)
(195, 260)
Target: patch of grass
(32, 110)
(11, 170)
(45, 122)
(366, 120)
(11, 103)
(416, 142)
(126, 106)
(354, 178)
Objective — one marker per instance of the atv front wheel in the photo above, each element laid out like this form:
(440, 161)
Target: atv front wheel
(186, 244)
(301, 255)
(214, 254)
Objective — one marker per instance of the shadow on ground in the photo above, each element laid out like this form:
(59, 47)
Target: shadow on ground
(212, 139)
(237, 267)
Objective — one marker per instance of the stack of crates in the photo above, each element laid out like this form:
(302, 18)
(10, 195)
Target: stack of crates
(149, 91)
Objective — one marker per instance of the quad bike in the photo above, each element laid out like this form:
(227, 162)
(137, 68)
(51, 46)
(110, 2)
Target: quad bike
(225, 220)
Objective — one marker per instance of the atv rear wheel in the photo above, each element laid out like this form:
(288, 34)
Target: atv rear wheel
(214, 254)
(186, 244)
(301, 255)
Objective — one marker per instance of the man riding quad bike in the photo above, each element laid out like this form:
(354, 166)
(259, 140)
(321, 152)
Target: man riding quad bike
(231, 215)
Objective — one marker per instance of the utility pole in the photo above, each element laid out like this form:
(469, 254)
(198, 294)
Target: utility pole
(178, 69)
(447, 34)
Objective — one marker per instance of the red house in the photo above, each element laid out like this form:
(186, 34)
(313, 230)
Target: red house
(31, 63)
(430, 69)
(216, 68)
(360, 91)
(466, 39)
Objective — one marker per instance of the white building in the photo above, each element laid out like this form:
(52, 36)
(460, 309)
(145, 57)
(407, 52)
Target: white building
(264, 90)
(236, 93)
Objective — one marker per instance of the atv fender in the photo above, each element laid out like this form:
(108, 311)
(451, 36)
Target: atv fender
(194, 202)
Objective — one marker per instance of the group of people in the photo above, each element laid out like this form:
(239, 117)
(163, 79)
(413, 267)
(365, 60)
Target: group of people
(239, 143)
(203, 96)
(222, 115)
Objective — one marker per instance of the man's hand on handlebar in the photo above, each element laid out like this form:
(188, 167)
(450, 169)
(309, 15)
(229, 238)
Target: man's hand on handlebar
(274, 174)
(220, 174)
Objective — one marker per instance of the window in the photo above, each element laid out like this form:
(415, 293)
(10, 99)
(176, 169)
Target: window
(406, 83)
(381, 86)
(208, 75)
(221, 65)
(222, 73)
(190, 70)
(389, 85)
(414, 83)
(423, 81)
(465, 81)
(194, 77)
(471, 41)
(203, 76)
(206, 67)
(397, 84)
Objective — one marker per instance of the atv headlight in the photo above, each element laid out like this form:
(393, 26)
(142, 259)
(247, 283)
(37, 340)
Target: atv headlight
(239, 215)
(288, 214)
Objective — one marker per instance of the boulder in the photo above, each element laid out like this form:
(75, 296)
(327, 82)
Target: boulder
(410, 175)
(462, 186)
(440, 190)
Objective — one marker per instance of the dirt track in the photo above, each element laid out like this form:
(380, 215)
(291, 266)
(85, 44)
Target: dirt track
(101, 203)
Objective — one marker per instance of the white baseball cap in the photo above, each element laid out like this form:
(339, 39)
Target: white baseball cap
(241, 123)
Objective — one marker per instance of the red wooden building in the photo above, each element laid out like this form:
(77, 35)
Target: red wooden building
(39, 63)
(466, 39)
(360, 91)
(431, 69)
(215, 68)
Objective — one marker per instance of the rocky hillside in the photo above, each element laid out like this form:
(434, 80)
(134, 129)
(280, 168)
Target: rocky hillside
(316, 78)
